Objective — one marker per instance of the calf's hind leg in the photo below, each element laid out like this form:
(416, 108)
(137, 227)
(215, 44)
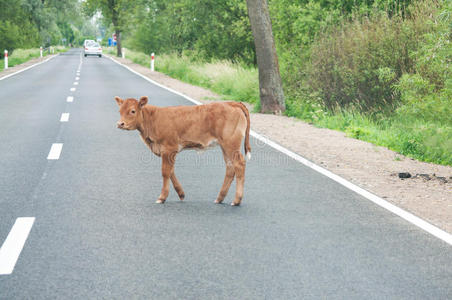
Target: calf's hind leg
(177, 186)
(235, 166)
(239, 168)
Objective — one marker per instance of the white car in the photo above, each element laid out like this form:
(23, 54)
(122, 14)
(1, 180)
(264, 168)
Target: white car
(92, 48)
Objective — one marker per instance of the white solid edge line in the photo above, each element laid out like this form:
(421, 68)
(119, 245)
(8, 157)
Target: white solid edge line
(14, 243)
(72, 89)
(64, 117)
(55, 151)
(433, 230)
(439, 233)
(70, 99)
(27, 68)
(75, 83)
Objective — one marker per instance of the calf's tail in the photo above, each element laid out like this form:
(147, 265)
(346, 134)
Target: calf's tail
(247, 132)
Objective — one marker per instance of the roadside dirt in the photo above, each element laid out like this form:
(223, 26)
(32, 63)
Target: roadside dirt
(371, 167)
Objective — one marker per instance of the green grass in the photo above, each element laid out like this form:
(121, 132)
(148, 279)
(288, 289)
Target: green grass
(412, 136)
(232, 81)
(19, 56)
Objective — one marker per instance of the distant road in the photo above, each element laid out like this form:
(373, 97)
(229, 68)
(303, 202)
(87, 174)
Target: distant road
(92, 229)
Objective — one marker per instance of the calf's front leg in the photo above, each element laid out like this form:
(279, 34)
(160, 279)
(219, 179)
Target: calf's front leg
(168, 159)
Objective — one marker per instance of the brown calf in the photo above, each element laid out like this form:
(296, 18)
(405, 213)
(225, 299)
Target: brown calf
(169, 130)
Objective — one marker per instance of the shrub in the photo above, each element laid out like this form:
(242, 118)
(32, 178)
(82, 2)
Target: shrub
(358, 63)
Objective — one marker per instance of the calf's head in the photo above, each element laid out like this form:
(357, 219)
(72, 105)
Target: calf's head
(130, 111)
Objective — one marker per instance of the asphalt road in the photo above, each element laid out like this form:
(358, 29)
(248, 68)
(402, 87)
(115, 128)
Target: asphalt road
(98, 233)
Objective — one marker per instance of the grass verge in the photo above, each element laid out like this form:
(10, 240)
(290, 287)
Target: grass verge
(19, 56)
(415, 138)
(231, 80)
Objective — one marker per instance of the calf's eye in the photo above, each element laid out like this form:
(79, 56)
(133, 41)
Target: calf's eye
(132, 111)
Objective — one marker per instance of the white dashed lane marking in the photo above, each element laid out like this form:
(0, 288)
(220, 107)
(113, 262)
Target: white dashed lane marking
(55, 151)
(14, 243)
(64, 117)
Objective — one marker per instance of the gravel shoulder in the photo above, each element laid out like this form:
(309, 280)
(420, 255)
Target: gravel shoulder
(374, 168)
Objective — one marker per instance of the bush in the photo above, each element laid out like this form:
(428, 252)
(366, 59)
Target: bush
(386, 80)
(8, 33)
(358, 63)
(421, 101)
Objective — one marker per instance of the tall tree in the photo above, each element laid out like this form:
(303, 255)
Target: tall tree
(270, 84)
(114, 12)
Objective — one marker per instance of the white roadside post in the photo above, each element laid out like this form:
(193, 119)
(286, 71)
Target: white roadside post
(40, 51)
(152, 62)
(123, 53)
(6, 59)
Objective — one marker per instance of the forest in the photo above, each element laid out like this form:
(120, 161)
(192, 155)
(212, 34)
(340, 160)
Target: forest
(26, 24)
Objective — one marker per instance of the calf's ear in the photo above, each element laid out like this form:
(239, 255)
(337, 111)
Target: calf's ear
(119, 100)
(143, 101)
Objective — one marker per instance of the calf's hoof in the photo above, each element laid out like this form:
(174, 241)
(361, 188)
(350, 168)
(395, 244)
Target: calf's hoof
(182, 197)
(237, 201)
(218, 201)
(160, 201)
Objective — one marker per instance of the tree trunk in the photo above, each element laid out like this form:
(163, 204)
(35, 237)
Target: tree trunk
(114, 20)
(118, 42)
(270, 85)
